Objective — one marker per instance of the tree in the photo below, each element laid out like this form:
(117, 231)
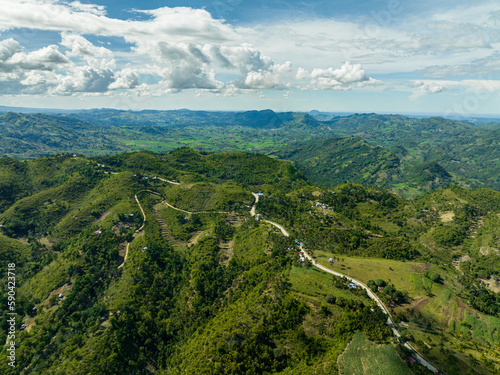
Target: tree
(437, 278)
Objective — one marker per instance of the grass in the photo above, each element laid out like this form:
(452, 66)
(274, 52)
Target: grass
(250, 244)
(365, 357)
(52, 276)
(118, 294)
(316, 283)
(206, 196)
(12, 251)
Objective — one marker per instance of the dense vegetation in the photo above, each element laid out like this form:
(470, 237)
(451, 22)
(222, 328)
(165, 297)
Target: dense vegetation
(206, 288)
(29, 136)
(408, 155)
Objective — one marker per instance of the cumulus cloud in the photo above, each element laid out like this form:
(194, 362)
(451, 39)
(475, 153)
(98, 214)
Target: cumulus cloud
(271, 78)
(189, 76)
(336, 79)
(79, 46)
(126, 79)
(85, 79)
(182, 48)
(179, 24)
(14, 59)
(8, 48)
(98, 10)
(421, 88)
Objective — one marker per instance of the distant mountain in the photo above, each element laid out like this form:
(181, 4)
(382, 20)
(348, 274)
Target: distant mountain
(33, 110)
(392, 130)
(468, 154)
(335, 160)
(265, 119)
(34, 135)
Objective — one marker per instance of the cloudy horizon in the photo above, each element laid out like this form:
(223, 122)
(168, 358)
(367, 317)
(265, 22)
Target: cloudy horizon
(359, 56)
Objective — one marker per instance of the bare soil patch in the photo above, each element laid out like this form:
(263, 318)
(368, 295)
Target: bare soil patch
(447, 216)
(62, 289)
(226, 252)
(198, 236)
(462, 307)
(492, 284)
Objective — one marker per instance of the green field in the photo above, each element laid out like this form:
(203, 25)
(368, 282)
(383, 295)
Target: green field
(364, 357)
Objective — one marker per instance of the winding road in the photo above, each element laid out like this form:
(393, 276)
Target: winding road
(137, 232)
(370, 293)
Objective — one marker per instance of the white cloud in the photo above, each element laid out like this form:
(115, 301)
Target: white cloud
(336, 79)
(173, 24)
(183, 47)
(126, 79)
(79, 46)
(421, 88)
(189, 76)
(8, 48)
(14, 59)
(84, 79)
(98, 10)
(269, 78)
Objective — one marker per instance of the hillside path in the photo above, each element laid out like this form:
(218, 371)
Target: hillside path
(137, 232)
(370, 293)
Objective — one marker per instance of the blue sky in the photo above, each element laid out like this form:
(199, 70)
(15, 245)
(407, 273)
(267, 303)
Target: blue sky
(391, 56)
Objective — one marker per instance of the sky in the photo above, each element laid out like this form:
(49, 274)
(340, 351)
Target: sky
(391, 56)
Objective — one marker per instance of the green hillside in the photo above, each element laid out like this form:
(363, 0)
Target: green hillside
(335, 160)
(467, 152)
(26, 136)
(416, 155)
(161, 269)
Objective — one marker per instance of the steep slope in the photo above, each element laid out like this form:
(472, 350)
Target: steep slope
(335, 160)
(470, 153)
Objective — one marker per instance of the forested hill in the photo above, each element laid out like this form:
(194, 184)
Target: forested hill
(144, 262)
(470, 153)
(332, 161)
(27, 136)
(265, 119)
(432, 152)
(335, 160)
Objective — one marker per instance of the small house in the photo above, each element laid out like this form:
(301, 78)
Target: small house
(352, 285)
(330, 260)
